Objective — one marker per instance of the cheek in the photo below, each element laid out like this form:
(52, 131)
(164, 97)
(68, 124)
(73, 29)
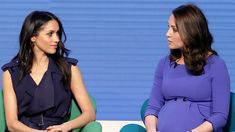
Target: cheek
(178, 41)
(44, 41)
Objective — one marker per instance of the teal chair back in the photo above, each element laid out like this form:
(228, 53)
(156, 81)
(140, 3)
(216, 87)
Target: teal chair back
(143, 108)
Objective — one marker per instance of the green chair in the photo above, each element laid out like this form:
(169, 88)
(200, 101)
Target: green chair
(75, 111)
(90, 127)
(2, 119)
(230, 126)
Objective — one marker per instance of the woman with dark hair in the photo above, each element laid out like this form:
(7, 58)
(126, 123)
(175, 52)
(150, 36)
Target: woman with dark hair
(40, 81)
(191, 87)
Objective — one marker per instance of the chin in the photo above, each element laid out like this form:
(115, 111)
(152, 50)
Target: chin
(51, 52)
(171, 47)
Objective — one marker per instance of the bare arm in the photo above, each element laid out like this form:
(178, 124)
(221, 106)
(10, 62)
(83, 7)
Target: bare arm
(151, 123)
(83, 100)
(10, 106)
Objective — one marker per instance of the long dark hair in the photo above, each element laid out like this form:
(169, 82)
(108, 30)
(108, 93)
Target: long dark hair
(31, 27)
(194, 32)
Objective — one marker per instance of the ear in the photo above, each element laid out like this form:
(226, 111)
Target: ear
(33, 39)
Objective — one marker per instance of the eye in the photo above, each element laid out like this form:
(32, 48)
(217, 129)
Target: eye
(50, 34)
(175, 29)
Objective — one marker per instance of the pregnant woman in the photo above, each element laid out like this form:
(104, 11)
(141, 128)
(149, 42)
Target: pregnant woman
(191, 88)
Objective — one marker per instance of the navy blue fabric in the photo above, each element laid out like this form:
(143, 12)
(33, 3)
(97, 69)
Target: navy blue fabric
(45, 104)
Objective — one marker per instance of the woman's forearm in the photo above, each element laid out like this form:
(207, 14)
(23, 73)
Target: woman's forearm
(82, 120)
(151, 123)
(17, 126)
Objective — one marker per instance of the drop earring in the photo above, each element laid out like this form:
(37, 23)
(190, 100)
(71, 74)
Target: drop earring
(33, 43)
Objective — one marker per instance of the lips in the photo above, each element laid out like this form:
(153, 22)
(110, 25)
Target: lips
(54, 46)
(169, 41)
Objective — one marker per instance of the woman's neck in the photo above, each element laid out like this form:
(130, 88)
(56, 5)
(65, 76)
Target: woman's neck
(41, 60)
(180, 60)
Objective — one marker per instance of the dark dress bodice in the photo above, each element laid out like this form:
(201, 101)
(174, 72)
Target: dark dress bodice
(45, 104)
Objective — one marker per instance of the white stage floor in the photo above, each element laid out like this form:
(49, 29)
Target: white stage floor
(115, 126)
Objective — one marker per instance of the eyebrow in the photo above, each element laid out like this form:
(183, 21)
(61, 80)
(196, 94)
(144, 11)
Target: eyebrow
(52, 30)
(173, 26)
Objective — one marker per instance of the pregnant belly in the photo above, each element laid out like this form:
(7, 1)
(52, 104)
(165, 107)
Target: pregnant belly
(181, 116)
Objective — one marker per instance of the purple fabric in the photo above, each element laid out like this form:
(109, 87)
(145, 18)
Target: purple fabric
(182, 101)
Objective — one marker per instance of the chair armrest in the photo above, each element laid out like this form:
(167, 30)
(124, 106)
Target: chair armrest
(93, 126)
(132, 128)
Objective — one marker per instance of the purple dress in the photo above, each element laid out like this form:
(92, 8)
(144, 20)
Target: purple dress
(182, 101)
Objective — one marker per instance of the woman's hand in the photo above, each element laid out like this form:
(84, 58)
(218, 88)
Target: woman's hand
(204, 127)
(59, 128)
(151, 123)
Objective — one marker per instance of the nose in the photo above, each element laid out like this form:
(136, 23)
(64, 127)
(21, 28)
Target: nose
(56, 38)
(168, 33)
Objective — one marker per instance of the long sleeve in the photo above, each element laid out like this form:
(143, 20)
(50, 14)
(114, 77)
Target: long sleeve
(220, 95)
(156, 100)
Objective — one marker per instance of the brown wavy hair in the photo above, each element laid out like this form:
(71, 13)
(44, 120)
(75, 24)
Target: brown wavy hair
(31, 26)
(194, 32)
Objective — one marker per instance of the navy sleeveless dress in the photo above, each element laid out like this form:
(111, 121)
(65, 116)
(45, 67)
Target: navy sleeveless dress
(45, 104)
